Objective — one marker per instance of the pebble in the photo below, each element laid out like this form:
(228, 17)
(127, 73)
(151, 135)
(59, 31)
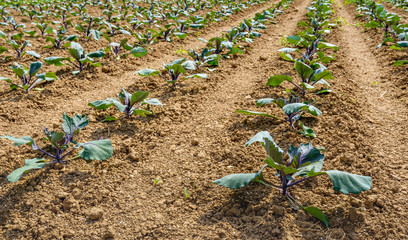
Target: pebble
(278, 210)
(109, 233)
(95, 213)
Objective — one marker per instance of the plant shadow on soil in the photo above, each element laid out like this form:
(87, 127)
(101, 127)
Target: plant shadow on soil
(256, 212)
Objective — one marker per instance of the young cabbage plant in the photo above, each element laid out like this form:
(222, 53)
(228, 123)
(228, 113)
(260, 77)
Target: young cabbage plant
(248, 28)
(116, 49)
(18, 45)
(43, 27)
(293, 111)
(218, 44)
(174, 70)
(128, 103)
(147, 37)
(309, 78)
(304, 163)
(87, 30)
(28, 76)
(165, 32)
(62, 144)
(80, 58)
(313, 45)
(60, 40)
(14, 25)
(205, 57)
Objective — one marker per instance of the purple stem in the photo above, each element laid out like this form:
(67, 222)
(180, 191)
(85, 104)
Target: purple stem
(298, 181)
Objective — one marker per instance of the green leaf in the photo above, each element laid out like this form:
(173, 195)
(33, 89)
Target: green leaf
(303, 70)
(20, 141)
(307, 131)
(305, 155)
(288, 50)
(294, 107)
(403, 43)
(287, 57)
(138, 97)
(294, 39)
(57, 61)
(3, 35)
(96, 34)
(101, 104)
(400, 63)
(34, 68)
(239, 180)
(306, 86)
(349, 183)
(96, 150)
(56, 137)
(153, 101)
(180, 35)
(97, 54)
(323, 45)
(272, 149)
(323, 91)
(50, 76)
(255, 113)
(323, 75)
(148, 72)
(314, 211)
(71, 125)
(121, 107)
(281, 167)
(277, 80)
(34, 163)
(3, 49)
(372, 24)
(138, 52)
(34, 54)
(110, 119)
(263, 101)
(141, 112)
(198, 75)
(76, 50)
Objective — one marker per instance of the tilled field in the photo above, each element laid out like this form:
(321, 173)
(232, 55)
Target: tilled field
(158, 182)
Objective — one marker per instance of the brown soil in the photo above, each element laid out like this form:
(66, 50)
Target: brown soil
(198, 138)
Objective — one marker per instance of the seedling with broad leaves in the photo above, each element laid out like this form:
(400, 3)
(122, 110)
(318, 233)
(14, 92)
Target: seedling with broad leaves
(174, 70)
(29, 77)
(18, 45)
(60, 40)
(87, 28)
(80, 58)
(43, 27)
(205, 57)
(116, 48)
(304, 163)
(128, 103)
(309, 78)
(62, 144)
(293, 110)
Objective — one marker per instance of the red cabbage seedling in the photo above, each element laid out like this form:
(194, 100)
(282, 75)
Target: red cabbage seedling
(80, 58)
(29, 76)
(62, 145)
(292, 109)
(127, 103)
(304, 162)
(174, 70)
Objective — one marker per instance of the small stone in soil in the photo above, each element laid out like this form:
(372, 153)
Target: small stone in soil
(278, 210)
(95, 213)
